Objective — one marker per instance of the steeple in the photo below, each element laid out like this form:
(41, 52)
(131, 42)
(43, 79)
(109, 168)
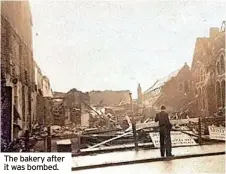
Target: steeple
(139, 94)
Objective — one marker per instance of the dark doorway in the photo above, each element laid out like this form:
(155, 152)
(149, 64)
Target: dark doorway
(6, 113)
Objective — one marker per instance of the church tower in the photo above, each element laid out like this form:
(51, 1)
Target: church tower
(139, 94)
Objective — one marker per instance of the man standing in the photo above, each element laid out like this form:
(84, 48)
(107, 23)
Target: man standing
(164, 132)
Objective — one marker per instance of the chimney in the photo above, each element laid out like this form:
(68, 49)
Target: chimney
(214, 32)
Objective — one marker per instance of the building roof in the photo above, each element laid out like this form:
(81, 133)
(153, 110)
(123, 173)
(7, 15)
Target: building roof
(162, 81)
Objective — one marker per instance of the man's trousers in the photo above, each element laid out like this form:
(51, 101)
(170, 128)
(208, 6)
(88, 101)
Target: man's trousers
(165, 142)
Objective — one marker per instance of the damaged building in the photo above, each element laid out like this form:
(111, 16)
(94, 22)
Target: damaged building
(17, 72)
(208, 72)
(21, 78)
(109, 97)
(75, 107)
(68, 107)
(173, 91)
(43, 98)
(199, 90)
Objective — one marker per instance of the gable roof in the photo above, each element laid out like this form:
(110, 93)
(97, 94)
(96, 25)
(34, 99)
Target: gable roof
(162, 81)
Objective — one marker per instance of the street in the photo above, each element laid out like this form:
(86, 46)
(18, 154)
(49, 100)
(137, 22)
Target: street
(131, 156)
(115, 85)
(210, 164)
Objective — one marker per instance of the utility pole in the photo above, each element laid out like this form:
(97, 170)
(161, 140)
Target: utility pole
(133, 124)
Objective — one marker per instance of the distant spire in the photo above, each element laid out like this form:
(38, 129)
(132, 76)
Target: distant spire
(139, 93)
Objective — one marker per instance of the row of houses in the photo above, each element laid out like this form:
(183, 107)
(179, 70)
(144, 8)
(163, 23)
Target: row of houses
(23, 87)
(199, 89)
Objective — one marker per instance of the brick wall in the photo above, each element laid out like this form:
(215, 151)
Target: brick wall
(17, 58)
(205, 74)
(175, 93)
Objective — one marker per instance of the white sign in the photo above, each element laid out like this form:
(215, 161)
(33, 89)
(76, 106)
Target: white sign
(177, 139)
(217, 133)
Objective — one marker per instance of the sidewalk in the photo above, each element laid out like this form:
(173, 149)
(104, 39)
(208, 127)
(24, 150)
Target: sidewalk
(129, 157)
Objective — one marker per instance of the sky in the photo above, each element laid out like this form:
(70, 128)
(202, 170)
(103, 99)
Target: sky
(114, 45)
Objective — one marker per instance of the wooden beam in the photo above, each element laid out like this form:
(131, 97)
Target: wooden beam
(143, 126)
(155, 124)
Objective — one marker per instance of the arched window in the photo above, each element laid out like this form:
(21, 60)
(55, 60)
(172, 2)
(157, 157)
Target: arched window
(203, 98)
(203, 103)
(212, 78)
(222, 63)
(223, 92)
(199, 98)
(218, 68)
(218, 93)
(201, 78)
(196, 91)
(180, 87)
(186, 86)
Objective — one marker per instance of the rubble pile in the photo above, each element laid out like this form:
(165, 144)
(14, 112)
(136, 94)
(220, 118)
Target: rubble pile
(58, 112)
(103, 122)
(62, 131)
(39, 132)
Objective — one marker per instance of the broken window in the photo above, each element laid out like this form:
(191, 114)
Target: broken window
(218, 93)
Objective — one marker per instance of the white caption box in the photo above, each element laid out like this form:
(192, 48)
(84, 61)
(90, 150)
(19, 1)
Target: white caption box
(27, 163)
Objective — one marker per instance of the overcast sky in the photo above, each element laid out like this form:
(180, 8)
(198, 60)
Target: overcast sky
(98, 45)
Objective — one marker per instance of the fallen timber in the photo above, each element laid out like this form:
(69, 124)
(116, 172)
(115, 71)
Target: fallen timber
(141, 126)
(104, 147)
(155, 124)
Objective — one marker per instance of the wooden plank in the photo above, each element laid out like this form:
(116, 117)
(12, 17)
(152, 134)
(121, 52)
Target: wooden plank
(143, 126)
(109, 140)
(155, 124)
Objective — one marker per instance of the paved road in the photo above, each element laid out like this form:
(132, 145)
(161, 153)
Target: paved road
(209, 164)
(131, 155)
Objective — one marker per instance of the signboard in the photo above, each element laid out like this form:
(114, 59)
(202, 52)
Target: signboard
(217, 133)
(177, 139)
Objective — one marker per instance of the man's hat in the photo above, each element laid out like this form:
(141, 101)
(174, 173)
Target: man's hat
(163, 107)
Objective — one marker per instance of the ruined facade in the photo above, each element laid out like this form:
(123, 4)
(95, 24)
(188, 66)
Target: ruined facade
(17, 72)
(208, 72)
(22, 83)
(47, 91)
(68, 108)
(108, 97)
(43, 97)
(173, 91)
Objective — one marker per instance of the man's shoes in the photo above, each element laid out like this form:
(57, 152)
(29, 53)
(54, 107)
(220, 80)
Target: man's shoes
(170, 156)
